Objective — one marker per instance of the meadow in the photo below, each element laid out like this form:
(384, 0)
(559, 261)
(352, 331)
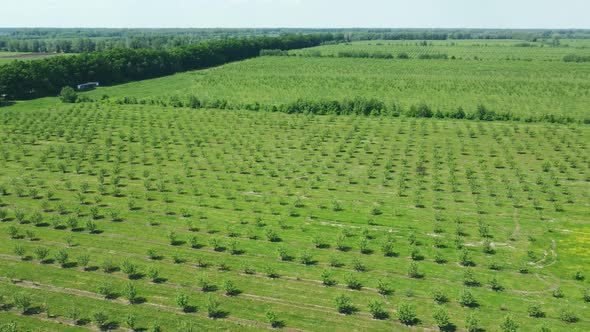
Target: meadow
(131, 216)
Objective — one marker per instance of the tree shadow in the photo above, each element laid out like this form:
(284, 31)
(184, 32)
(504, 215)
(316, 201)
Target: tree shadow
(110, 326)
(449, 328)
(218, 314)
(159, 280)
(33, 311)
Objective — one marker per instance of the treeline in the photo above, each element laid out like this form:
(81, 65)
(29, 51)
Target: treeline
(576, 58)
(32, 79)
(355, 106)
(89, 40)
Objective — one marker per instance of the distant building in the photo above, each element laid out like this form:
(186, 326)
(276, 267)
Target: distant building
(87, 86)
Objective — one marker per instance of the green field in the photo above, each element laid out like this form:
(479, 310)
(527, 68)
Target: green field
(474, 50)
(522, 87)
(7, 57)
(250, 218)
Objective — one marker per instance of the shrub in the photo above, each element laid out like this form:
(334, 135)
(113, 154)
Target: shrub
(68, 95)
(534, 310)
(566, 315)
(406, 314)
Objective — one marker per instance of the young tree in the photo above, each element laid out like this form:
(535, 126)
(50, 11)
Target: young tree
(129, 268)
(154, 274)
(508, 324)
(327, 278)
(442, 319)
(131, 321)
(413, 271)
(182, 301)
(62, 257)
(130, 292)
(344, 304)
(273, 319)
(83, 260)
(22, 301)
(106, 289)
(101, 318)
(212, 307)
(383, 287)
(566, 315)
(472, 323)
(406, 314)
(376, 309)
(20, 250)
(439, 296)
(352, 281)
(230, 288)
(467, 299)
(534, 310)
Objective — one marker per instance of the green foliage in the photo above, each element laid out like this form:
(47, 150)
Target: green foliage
(441, 317)
(68, 95)
(22, 301)
(344, 304)
(406, 314)
(376, 308)
(508, 324)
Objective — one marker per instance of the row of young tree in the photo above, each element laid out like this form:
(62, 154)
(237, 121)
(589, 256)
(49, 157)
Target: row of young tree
(33, 79)
(355, 106)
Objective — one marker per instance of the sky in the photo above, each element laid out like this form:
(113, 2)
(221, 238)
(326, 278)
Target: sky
(297, 13)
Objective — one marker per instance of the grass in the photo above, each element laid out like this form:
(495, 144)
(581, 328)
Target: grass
(241, 176)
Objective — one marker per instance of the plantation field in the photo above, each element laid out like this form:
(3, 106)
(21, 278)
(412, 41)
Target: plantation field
(7, 57)
(523, 88)
(511, 50)
(237, 220)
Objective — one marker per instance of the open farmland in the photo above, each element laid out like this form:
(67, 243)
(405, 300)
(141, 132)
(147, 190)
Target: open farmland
(523, 88)
(7, 57)
(477, 50)
(139, 211)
